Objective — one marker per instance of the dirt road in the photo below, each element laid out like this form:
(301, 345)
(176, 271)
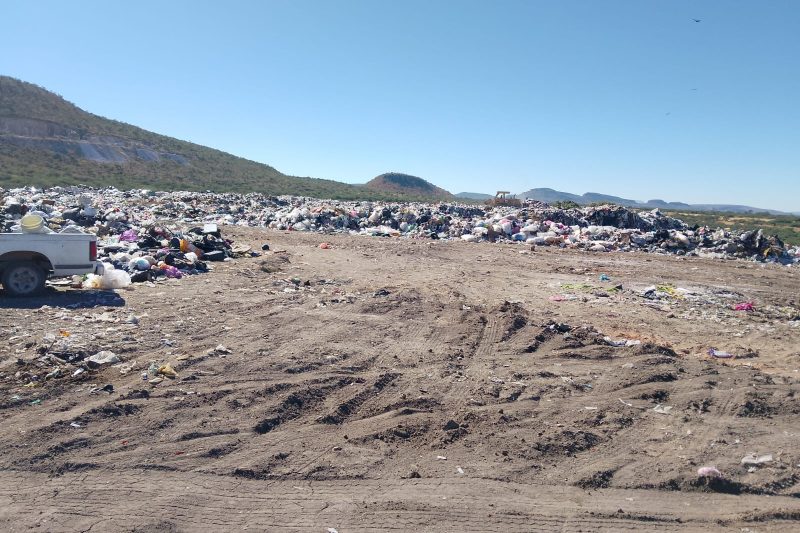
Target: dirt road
(387, 384)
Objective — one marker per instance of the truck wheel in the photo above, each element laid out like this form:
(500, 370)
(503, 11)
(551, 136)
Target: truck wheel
(23, 279)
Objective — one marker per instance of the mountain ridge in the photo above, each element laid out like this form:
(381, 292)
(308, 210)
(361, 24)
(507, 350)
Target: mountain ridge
(46, 140)
(545, 194)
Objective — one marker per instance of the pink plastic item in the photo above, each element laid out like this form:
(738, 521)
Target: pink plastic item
(130, 235)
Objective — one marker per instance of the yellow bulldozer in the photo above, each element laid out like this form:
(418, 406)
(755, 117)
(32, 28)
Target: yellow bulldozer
(504, 198)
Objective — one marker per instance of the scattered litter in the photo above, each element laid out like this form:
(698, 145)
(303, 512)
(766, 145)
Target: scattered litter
(744, 306)
(103, 358)
(75, 425)
(663, 409)
(719, 354)
(628, 404)
(111, 279)
(220, 350)
(662, 292)
(753, 459)
(562, 297)
(604, 277)
(708, 471)
(167, 371)
(622, 342)
(580, 287)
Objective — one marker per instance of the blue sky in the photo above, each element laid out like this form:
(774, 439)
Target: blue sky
(630, 98)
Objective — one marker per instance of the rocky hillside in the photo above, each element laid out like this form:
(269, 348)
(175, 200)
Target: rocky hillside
(411, 186)
(46, 140)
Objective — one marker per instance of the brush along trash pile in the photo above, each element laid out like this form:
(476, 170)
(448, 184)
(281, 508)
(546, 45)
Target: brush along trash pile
(127, 218)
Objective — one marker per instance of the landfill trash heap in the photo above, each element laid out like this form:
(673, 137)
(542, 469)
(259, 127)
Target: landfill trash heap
(136, 242)
(132, 222)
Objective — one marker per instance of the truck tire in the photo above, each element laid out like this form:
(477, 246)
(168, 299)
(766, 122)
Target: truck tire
(23, 278)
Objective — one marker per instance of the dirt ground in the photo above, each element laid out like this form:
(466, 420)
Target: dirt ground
(408, 385)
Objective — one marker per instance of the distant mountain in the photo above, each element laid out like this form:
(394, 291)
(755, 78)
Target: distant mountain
(549, 196)
(667, 205)
(474, 196)
(595, 197)
(552, 196)
(46, 140)
(410, 186)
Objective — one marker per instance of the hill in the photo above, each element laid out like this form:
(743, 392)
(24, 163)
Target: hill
(552, 196)
(46, 140)
(410, 186)
(474, 196)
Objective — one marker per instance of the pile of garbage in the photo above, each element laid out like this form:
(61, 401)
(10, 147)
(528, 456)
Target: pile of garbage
(134, 244)
(132, 225)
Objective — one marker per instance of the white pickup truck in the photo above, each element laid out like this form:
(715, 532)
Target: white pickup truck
(27, 259)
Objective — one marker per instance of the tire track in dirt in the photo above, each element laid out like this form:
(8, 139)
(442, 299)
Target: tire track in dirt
(347, 409)
(436, 505)
(489, 336)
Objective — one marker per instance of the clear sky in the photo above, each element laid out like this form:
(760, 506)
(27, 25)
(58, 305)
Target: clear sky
(625, 97)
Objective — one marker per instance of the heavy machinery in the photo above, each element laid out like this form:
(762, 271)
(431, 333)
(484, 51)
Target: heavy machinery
(503, 198)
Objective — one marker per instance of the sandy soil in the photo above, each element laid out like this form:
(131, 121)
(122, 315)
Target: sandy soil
(388, 384)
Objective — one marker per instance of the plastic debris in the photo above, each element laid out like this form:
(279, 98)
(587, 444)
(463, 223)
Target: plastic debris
(622, 342)
(708, 471)
(663, 409)
(719, 354)
(167, 371)
(753, 459)
(744, 306)
(220, 350)
(111, 279)
(562, 297)
(103, 358)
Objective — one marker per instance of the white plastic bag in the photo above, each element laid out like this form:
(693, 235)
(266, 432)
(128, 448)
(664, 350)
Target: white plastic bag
(111, 279)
